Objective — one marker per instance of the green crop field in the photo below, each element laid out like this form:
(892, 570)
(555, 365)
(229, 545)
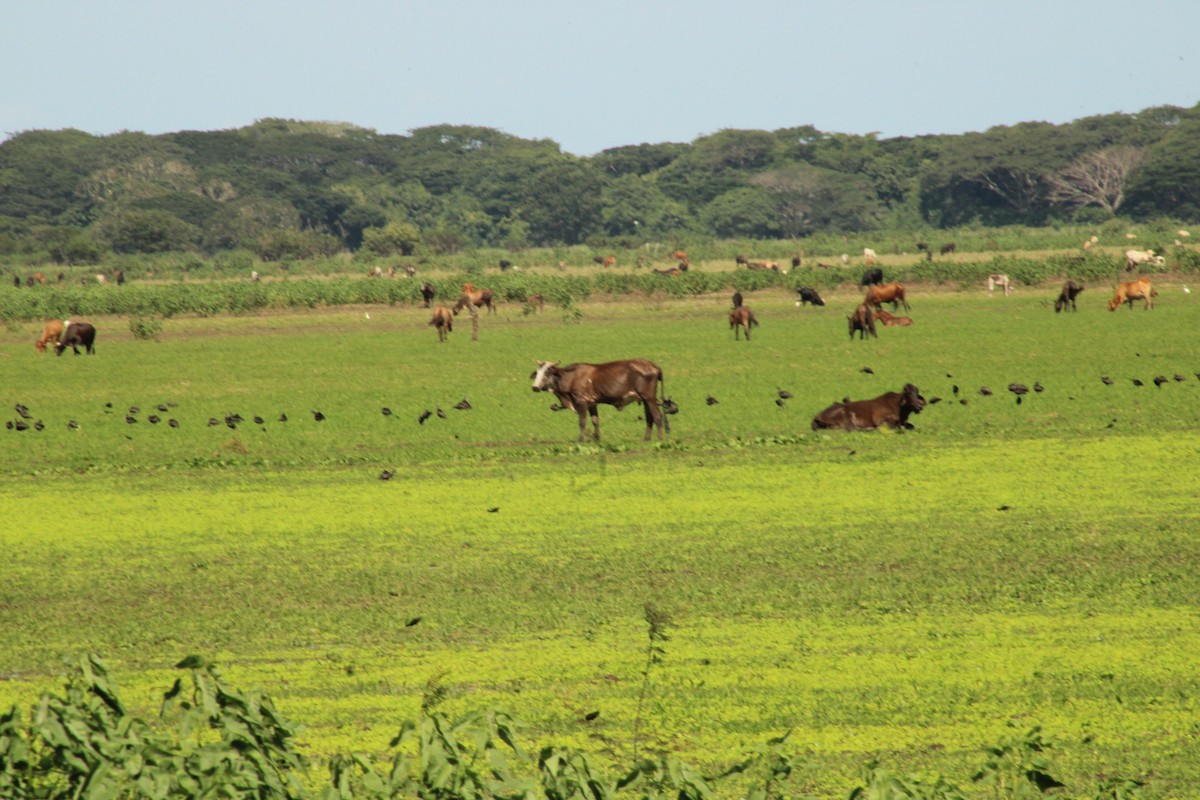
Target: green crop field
(904, 597)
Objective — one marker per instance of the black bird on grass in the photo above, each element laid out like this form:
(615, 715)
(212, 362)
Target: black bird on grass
(780, 402)
(387, 412)
(174, 423)
(591, 715)
(386, 475)
(213, 421)
(933, 401)
(20, 425)
(258, 420)
(129, 420)
(954, 389)
(426, 414)
(710, 400)
(784, 394)
(318, 416)
(1159, 380)
(1179, 378)
(413, 621)
(283, 417)
(1037, 387)
(985, 391)
(162, 407)
(867, 370)
(670, 406)
(1018, 389)
(557, 407)
(73, 425)
(1107, 381)
(39, 426)
(152, 419)
(463, 405)
(441, 414)
(493, 509)
(22, 410)
(1137, 382)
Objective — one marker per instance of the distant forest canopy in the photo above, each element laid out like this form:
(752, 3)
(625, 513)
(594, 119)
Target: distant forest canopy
(292, 189)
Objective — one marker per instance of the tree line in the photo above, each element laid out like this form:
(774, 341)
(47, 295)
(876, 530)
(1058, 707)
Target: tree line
(290, 189)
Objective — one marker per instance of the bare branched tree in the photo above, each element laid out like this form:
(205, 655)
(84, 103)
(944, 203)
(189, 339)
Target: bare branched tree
(1096, 179)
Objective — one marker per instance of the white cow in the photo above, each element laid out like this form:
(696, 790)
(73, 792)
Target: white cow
(869, 256)
(1135, 258)
(1001, 280)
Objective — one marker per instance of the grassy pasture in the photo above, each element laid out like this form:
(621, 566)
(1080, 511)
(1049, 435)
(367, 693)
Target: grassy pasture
(901, 596)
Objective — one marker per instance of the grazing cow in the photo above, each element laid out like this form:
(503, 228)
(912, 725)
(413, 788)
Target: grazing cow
(947, 249)
(534, 303)
(77, 333)
(809, 295)
(475, 297)
(869, 256)
(427, 293)
(609, 261)
(505, 264)
(892, 322)
(796, 262)
(1070, 291)
(863, 321)
(740, 260)
(742, 319)
(763, 265)
(442, 321)
(1001, 280)
(51, 333)
(737, 298)
(871, 277)
(887, 293)
(1135, 258)
(923, 247)
(679, 255)
(1133, 290)
(583, 387)
(101, 278)
(377, 272)
(891, 409)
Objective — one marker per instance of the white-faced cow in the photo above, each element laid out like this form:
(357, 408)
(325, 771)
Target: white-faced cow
(76, 334)
(583, 387)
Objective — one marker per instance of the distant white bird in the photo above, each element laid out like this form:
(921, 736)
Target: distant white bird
(1186, 290)
(367, 314)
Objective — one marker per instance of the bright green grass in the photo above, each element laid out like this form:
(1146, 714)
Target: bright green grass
(878, 601)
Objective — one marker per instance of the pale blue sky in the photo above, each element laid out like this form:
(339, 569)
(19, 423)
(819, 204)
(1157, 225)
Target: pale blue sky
(590, 75)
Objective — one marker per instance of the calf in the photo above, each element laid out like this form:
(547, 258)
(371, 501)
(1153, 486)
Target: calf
(892, 322)
(742, 318)
(891, 409)
(77, 333)
(863, 321)
(809, 295)
(52, 333)
(1070, 291)
(443, 321)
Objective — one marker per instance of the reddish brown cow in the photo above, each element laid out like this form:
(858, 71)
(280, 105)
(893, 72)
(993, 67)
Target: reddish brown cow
(742, 319)
(475, 297)
(443, 321)
(891, 322)
(1133, 290)
(583, 387)
(51, 333)
(863, 321)
(887, 293)
(891, 409)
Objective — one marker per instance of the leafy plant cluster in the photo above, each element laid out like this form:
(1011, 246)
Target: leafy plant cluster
(286, 189)
(212, 741)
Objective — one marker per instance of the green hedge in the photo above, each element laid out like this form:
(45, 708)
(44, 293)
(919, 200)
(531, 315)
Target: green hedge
(61, 301)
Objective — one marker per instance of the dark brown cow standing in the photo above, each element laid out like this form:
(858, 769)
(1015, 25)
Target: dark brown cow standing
(583, 387)
(1067, 296)
(891, 409)
(742, 319)
(863, 321)
(427, 293)
(76, 334)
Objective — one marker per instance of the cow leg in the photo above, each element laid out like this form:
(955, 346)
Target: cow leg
(595, 412)
(654, 416)
(583, 412)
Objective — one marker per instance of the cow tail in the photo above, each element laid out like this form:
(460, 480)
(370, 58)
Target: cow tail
(662, 410)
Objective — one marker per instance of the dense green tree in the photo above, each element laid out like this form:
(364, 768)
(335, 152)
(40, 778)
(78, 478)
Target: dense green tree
(635, 206)
(137, 231)
(743, 213)
(1168, 183)
(638, 159)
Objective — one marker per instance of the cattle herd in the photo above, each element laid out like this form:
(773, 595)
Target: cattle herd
(583, 387)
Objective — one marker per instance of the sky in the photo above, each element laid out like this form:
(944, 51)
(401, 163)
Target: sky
(595, 75)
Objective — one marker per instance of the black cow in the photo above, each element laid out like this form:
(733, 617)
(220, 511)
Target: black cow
(1070, 291)
(583, 387)
(427, 293)
(863, 321)
(737, 299)
(809, 295)
(77, 333)
(891, 409)
(871, 277)
(948, 248)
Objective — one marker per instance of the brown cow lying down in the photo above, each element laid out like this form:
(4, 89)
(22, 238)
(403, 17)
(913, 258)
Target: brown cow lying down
(889, 321)
(891, 409)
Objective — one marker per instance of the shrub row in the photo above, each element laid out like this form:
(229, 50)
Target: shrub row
(143, 300)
